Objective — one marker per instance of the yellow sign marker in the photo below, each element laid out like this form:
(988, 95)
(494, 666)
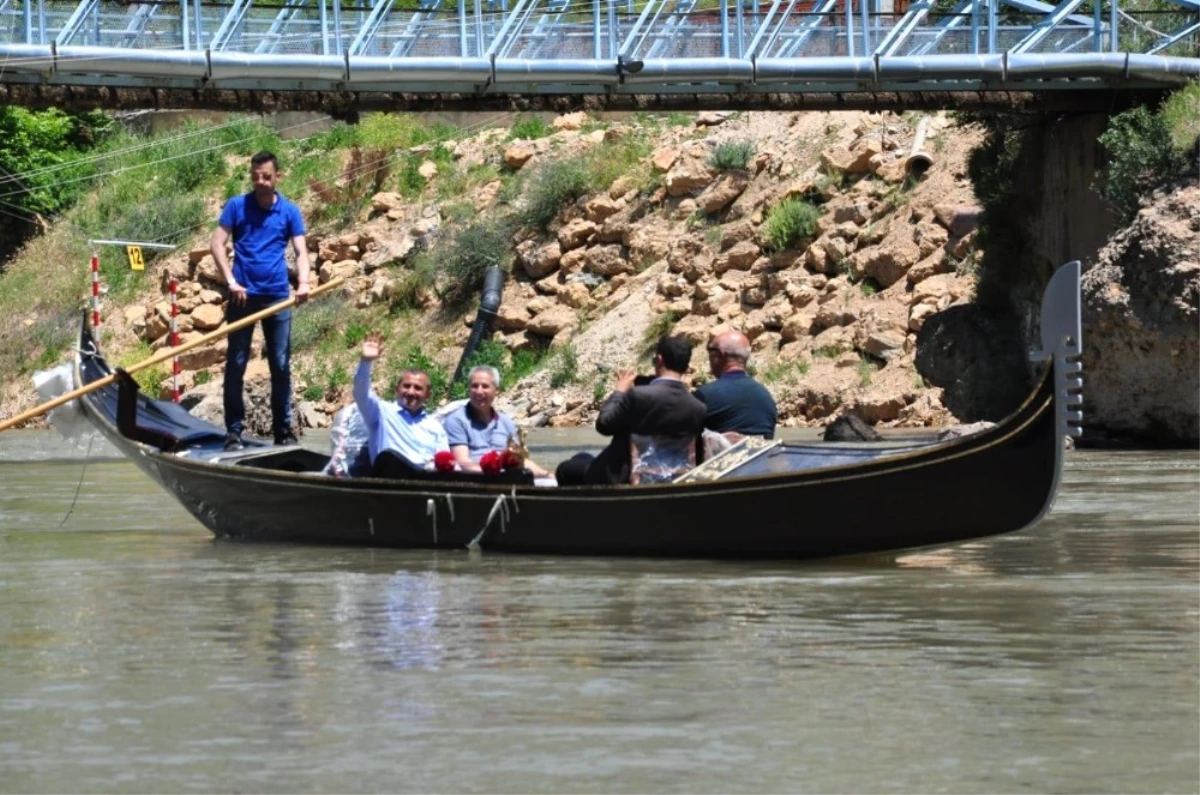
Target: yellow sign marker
(135, 258)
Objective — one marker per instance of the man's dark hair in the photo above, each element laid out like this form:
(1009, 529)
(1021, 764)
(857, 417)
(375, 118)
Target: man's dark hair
(676, 353)
(264, 157)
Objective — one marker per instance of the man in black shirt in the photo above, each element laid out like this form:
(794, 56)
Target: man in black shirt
(735, 401)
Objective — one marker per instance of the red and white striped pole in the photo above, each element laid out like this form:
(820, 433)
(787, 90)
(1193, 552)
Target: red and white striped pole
(95, 293)
(175, 339)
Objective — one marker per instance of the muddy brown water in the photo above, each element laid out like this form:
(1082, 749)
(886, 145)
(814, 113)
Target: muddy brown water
(139, 655)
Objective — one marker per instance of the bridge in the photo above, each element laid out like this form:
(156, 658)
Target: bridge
(370, 54)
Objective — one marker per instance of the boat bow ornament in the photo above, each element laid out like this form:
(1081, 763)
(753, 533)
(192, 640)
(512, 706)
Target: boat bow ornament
(601, 46)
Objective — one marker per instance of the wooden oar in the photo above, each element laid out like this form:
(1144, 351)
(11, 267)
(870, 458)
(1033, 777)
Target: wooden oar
(164, 355)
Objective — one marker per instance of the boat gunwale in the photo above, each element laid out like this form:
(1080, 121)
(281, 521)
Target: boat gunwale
(1039, 400)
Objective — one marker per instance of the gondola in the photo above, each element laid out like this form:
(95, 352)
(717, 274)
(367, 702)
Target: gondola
(776, 501)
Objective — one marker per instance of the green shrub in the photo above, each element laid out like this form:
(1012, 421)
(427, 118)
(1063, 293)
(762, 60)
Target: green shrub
(789, 222)
(409, 181)
(1181, 113)
(314, 322)
(529, 128)
(42, 166)
(187, 161)
(554, 185)
(566, 367)
(614, 159)
(300, 172)
(246, 136)
(339, 136)
(471, 250)
(415, 284)
(1141, 156)
(354, 333)
(525, 362)
(731, 155)
(391, 131)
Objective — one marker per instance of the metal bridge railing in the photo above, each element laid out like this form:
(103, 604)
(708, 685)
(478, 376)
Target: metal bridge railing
(595, 42)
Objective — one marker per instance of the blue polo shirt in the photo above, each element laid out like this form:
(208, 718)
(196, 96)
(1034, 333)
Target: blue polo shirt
(260, 239)
(479, 437)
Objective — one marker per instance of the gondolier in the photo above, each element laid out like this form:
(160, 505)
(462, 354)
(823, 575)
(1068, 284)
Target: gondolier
(261, 224)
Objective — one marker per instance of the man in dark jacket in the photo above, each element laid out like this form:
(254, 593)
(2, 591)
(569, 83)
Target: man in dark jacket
(734, 400)
(663, 407)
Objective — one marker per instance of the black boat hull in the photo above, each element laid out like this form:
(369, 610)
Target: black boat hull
(999, 480)
(994, 482)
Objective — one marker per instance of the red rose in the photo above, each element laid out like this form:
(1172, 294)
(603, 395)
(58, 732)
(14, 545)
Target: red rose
(443, 461)
(510, 460)
(491, 463)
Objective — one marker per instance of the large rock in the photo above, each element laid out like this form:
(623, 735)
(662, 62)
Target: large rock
(958, 219)
(687, 175)
(1141, 304)
(539, 262)
(388, 252)
(606, 261)
(571, 121)
(576, 233)
(207, 317)
(723, 191)
(518, 153)
(556, 319)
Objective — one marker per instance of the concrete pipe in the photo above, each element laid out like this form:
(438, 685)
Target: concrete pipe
(919, 161)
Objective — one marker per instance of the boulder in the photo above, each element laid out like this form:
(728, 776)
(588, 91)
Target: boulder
(662, 159)
(571, 121)
(958, 219)
(850, 428)
(518, 153)
(552, 321)
(721, 193)
(207, 317)
(686, 176)
(576, 233)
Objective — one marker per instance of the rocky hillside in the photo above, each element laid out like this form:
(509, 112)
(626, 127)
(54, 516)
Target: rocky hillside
(802, 230)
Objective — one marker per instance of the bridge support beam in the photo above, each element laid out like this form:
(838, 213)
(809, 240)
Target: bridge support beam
(348, 105)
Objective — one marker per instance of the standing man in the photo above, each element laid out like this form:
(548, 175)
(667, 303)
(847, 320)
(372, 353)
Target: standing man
(734, 400)
(402, 437)
(261, 223)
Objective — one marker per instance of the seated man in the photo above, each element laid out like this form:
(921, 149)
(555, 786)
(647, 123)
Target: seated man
(402, 439)
(477, 427)
(661, 408)
(734, 401)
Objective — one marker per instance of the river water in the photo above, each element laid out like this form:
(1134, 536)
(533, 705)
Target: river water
(139, 655)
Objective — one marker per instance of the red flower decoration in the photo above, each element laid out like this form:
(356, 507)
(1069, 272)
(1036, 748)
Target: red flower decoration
(509, 460)
(443, 461)
(491, 463)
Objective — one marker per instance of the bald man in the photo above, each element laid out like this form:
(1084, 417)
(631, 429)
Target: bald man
(734, 400)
